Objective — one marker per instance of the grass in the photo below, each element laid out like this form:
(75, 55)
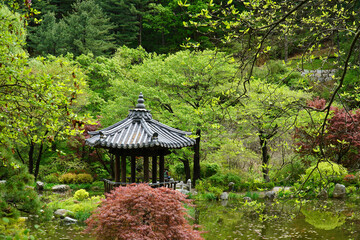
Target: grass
(81, 210)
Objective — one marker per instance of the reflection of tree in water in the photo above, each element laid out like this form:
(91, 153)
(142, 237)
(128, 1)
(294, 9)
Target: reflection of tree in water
(323, 220)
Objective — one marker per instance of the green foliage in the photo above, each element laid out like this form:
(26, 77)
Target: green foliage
(290, 172)
(324, 172)
(14, 229)
(252, 195)
(81, 194)
(209, 169)
(68, 178)
(223, 180)
(84, 178)
(80, 209)
(85, 30)
(51, 178)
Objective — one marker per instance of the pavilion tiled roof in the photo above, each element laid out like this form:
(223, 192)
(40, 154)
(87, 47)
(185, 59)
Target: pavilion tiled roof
(140, 130)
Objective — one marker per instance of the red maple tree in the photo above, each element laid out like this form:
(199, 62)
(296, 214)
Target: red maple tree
(143, 213)
(341, 139)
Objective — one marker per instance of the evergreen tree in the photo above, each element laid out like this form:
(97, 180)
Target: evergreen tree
(49, 37)
(127, 16)
(88, 29)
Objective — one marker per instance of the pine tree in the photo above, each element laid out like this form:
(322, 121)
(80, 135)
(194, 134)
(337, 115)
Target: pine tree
(88, 29)
(49, 37)
(127, 16)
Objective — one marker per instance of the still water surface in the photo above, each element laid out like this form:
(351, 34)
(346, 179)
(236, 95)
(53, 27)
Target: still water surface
(338, 220)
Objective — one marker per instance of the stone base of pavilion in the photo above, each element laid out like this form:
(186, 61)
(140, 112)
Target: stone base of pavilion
(110, 185)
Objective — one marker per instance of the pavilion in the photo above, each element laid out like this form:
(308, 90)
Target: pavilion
(139, 135)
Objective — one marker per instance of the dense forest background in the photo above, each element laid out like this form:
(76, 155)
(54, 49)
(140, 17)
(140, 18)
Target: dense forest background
(272, 85)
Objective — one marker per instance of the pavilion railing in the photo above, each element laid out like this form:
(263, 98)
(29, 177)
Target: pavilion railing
(110, 185)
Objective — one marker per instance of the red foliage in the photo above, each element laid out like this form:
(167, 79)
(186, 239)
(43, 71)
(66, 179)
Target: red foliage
(143, 213)
(350, 178)
(341, 138)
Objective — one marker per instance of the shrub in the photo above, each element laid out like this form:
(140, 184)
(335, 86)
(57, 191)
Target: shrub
(142, 212)
(210, 169)
(326, 172)
(81, 194)
(84, 178)
(51, 178)
(223, 180)
(350, 178)
(68, 178)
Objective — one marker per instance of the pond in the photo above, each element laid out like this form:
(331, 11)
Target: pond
(235, 220)
(285, 220)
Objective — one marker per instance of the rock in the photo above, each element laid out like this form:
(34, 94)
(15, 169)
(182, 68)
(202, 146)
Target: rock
(2, 181)
(183, 191)
(40, 185)
(61, 213)
(60, 188)
(224, 196)
(247, 199)
(231, 186)
(69, 220)
(278, 189)
(270, 195)
(339, 191)
(323, 194)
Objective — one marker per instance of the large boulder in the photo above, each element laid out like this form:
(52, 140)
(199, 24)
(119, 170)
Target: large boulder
(61, 213)
(60, 188)
(339, 191)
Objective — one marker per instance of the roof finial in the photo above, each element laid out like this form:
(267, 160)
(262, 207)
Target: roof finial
(140, 104)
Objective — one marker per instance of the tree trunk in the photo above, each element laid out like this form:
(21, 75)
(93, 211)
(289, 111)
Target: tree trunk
(196, 172)
(31, 158)
(140, 30)
(265, 157)
(286, 48)
(37, 167)
(186, 168)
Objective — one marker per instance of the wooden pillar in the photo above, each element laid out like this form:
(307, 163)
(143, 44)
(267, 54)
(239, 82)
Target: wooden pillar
(117, 168)
(123, 168)
(196, 173)
(146, 169)
(133, 169)
(161, 168)
(154, 169)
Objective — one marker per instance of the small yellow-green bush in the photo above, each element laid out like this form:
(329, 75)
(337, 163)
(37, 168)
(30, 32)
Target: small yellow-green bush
(68, 178)
(81, 194)
(84, 178)
(325, 172)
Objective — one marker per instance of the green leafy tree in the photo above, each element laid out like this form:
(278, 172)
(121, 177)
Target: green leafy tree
(269, 111)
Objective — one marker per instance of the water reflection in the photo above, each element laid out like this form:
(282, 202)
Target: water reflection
(286, 220)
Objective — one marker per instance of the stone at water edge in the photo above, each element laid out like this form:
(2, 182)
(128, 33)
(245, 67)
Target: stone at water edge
(70, 220)
(270, 195)
(61, 213)
(224, 196)
(40, 185)
(323, 194)
(247, 199)
(339, 191)
(60, 188)
(231, 186)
